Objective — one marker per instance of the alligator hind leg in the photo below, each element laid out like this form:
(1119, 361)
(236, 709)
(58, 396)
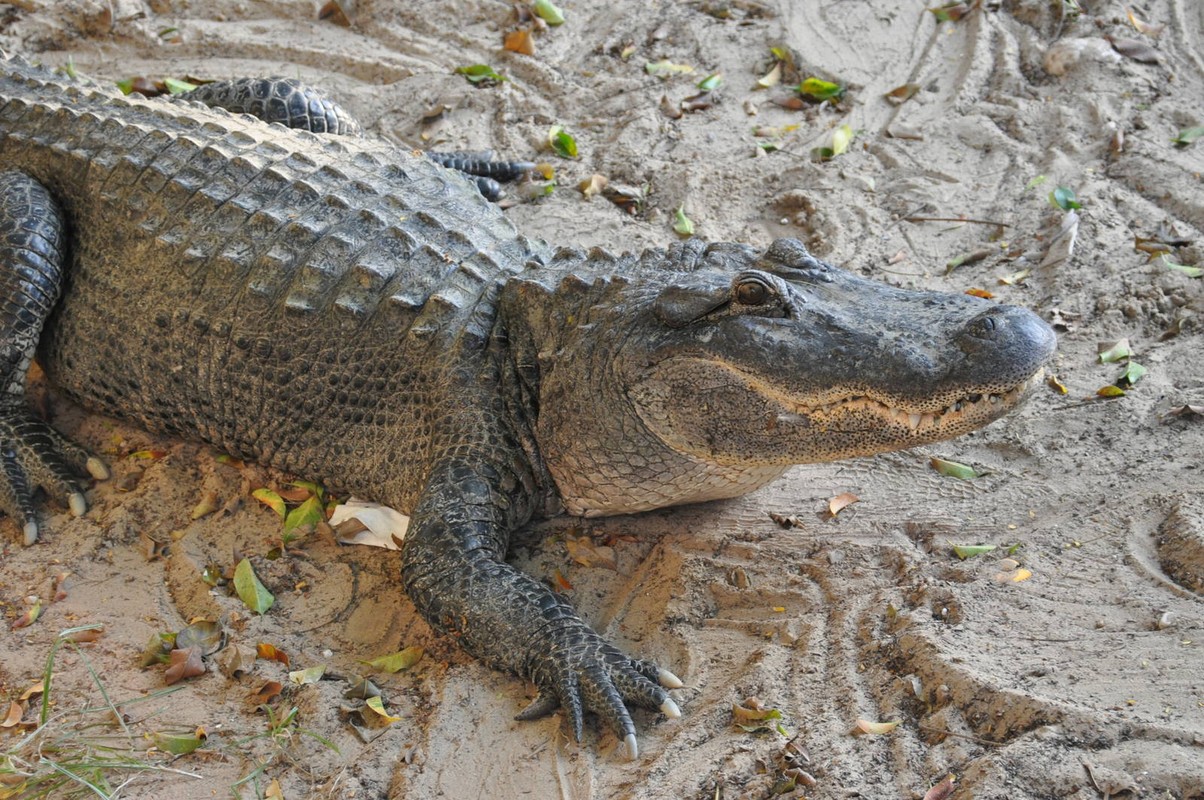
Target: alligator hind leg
(297, 105)
(32, 454)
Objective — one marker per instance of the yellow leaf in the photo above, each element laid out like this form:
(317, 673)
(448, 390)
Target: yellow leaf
(377, 705)
(842, 137)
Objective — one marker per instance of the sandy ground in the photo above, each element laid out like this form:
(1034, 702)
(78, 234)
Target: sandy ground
(1086, 680)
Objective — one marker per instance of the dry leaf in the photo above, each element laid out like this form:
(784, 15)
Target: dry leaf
(841, 501)
(13, 717)
(592, 185)
(266, 692)
(185, 663)
(1134, 49)
(520, 41)
(583, 550)
(1142, 26)
(1062, 245)
(864, 726)
(941, 790)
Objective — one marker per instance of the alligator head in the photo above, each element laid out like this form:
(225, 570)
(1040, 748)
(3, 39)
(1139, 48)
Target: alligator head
(669, 386)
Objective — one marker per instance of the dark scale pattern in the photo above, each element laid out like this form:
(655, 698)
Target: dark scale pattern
(355, 313)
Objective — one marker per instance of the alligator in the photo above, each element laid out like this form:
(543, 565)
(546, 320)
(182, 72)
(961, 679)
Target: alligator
(346, 310)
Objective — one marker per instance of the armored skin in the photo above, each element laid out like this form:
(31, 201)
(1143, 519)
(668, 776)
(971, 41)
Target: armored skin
(357, 314)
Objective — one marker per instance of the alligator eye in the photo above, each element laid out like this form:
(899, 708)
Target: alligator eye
(752, 293)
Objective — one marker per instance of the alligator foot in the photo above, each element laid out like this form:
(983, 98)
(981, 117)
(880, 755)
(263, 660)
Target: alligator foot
(32, 453)
(481, 166)
(294, 104)
(582, 671)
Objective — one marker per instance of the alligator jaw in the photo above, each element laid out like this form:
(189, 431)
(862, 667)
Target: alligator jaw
(913, 425)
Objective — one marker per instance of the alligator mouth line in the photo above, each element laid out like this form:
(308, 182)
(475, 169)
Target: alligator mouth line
(974, 408)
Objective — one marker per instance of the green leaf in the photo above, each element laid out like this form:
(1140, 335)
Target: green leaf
(1191, 272)
(1132, 374)
(176, 86)
(271, 500)
(820, 90)
(953, 469)
(964, 551)
(951, 12)
(311, 512)
(562, 142)
(480, 73)
(711, 82)
(316, 489)
(396, 662)
(253, 593)
(780, 53)
(1037, 181)
(1064, 199)
(664, 68)
(1188, 135)
(548, 12)
(176, 745)
(681, 223)
(126, 86)
(1110, 353)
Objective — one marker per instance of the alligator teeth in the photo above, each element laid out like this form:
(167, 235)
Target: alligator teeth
(914, 421)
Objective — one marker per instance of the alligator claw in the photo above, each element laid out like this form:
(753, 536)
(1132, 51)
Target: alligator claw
(668, 679)
(543, 705)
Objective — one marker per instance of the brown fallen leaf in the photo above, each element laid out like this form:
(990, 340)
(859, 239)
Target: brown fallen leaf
(13, 717)
(592, 185)
(266, 692)
(1188, 411)
(85, 636)
(787, 520)
(186, 663)
(840, 502)
(901, 94)
(335, 11)
(1134, 49)
(520, 41)
(58, 587)
(271, 653)
(941, 790)
(583, 550)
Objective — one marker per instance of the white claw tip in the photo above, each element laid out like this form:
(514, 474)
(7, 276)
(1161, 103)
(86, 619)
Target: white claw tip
(31, 533)
(78, 504)
(630, 747)
(668, 679)
(670, 709)
(97, 468)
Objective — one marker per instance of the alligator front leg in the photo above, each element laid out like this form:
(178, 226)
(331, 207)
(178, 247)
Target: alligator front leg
(297, 105)
(453, 570)
(32, 454)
